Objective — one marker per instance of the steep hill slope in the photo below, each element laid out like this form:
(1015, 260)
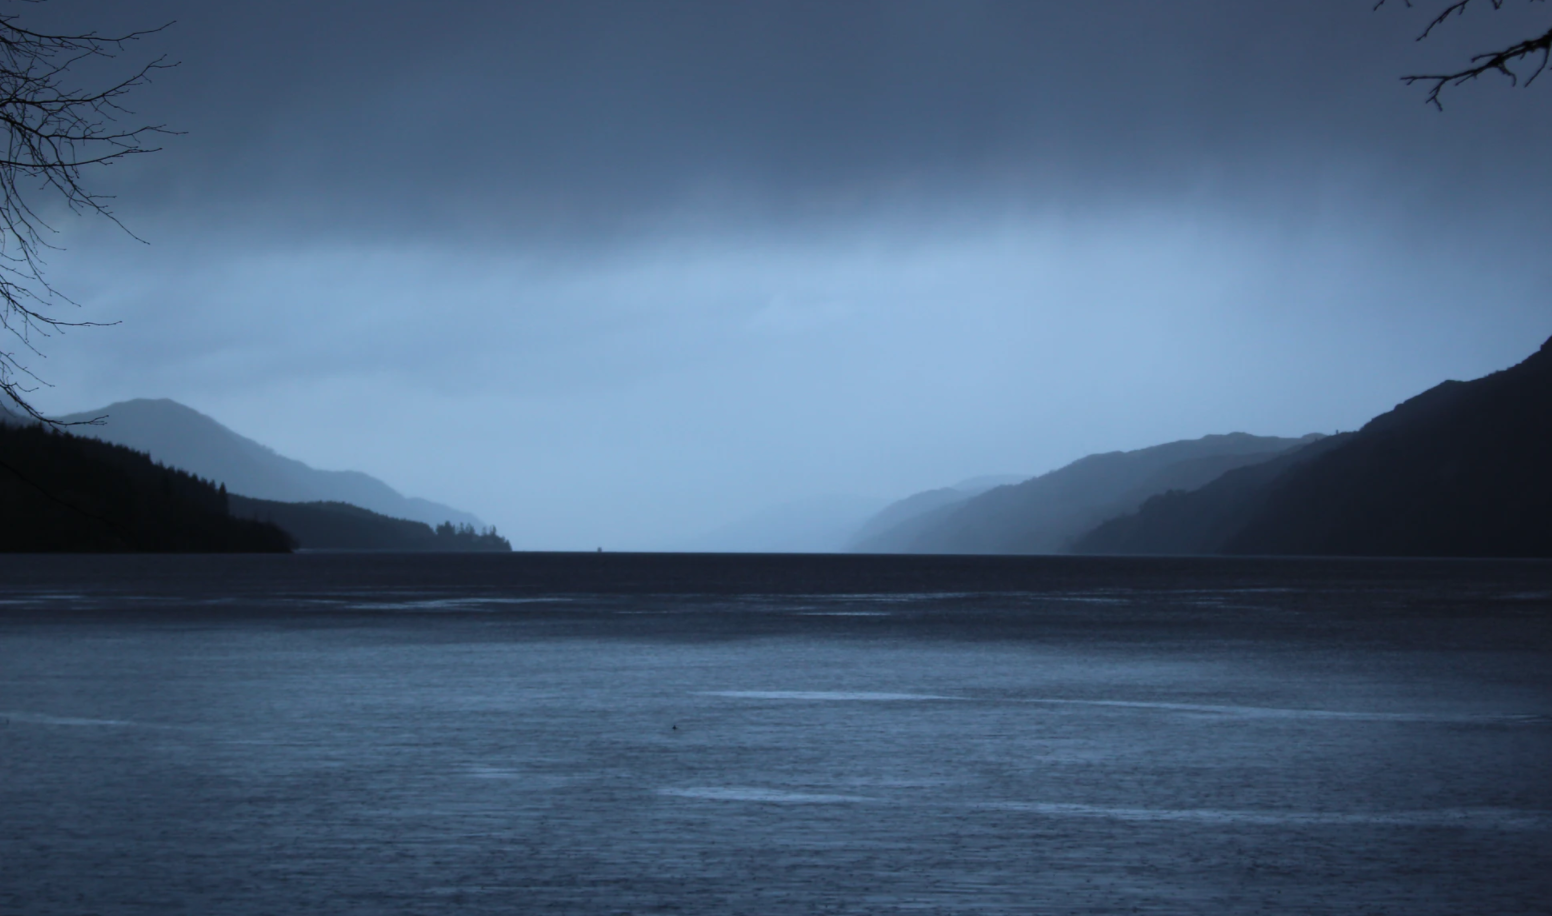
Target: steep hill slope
(1463, 469)
(1046, 513)
(183, 437)
(898, 523)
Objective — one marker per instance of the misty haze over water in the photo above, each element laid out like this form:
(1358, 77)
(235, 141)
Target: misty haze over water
(746, 734)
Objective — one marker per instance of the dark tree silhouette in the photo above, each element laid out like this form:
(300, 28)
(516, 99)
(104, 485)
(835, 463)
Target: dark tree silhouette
(1534, 52)
(77, 494)
(56, 126)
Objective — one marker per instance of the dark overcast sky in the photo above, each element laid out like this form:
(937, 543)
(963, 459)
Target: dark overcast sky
(558, 117)
(646, 266)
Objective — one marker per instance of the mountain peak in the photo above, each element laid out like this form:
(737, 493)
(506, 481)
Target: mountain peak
(181, 436)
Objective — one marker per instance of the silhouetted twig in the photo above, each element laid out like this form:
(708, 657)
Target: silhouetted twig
(1481, 63)
(53, 129)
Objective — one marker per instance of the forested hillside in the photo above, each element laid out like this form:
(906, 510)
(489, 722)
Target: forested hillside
(60, 492)
(341, 526)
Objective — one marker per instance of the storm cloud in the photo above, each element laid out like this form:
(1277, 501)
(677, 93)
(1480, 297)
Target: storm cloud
(616, 273)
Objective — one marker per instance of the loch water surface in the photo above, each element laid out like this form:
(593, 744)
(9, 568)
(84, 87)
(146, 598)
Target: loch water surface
(590, 734)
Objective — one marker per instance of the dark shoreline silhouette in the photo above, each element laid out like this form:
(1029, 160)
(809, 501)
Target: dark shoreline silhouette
(342, 526)
(60, 492)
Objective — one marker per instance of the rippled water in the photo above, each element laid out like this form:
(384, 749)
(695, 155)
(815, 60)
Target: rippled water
(773, 735)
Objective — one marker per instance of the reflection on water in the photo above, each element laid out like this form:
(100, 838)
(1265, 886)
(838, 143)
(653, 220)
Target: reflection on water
(473, 747)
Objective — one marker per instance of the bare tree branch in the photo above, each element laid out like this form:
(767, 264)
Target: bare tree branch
(53, 129)
(1487, 62)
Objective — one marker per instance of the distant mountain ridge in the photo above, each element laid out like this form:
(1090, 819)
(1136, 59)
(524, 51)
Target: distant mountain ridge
(908, 514)
(182, 437)
(1046, 514)
(1463, 469)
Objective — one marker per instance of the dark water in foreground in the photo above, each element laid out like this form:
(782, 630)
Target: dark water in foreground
(769, 735)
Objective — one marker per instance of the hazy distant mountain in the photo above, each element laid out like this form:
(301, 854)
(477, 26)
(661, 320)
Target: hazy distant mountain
(1047, 513)
(978, 485)
(900, 521)
(816, 525)
(1463, 469)
(183, 437)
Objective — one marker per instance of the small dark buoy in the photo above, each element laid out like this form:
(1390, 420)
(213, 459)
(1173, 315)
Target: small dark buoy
(676, 726)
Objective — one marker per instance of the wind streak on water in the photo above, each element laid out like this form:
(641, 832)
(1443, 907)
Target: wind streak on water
(822, 695)
(1481, 818)
(773, 796)
(38, 718)
(1476, 818)
(1287, 713)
